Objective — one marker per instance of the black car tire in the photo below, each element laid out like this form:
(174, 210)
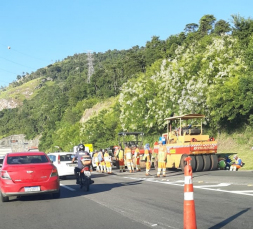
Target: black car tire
(4, 198)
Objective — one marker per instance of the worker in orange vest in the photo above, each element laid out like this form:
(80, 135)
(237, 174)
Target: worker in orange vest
(147, 158)
(129, 158)
(137, 158)
(107, 159)
(102, 163)
(120, 157)
(95, 156)
(162, 154)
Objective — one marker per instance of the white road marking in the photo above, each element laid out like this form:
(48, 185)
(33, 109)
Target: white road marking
(178, 181)
(246, 192)
(210, 186)
(64, 186)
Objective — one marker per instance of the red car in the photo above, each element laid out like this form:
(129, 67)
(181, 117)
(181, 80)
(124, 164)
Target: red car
(28, 173)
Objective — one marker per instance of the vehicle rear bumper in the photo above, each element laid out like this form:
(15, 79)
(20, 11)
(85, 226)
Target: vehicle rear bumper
(30, 193)
(9, 188)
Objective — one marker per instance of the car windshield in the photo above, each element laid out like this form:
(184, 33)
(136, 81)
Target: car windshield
(31, 159)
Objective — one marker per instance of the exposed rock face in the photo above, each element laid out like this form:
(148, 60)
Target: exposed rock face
(18, 143)
(8, 104)
(88, 113)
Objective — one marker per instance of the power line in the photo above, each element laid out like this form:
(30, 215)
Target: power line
(8, 71)
(29, 55)
(38, 58)
(16, 63)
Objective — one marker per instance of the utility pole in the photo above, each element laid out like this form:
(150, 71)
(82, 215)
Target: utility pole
(90, 65)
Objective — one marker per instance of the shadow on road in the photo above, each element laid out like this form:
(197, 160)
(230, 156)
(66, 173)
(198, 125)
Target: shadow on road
(97, 188)
(77, 191)
(228, 220)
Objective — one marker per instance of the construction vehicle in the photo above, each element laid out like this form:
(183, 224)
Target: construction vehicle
(188, 140)
(88, 148)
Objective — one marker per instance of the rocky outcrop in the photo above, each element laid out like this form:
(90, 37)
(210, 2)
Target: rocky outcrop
(18, 143)
(8, 104)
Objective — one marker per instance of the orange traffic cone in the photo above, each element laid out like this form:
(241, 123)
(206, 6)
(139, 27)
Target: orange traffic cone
(189, 205)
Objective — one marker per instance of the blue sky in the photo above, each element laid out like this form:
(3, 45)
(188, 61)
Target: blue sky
(41, 32)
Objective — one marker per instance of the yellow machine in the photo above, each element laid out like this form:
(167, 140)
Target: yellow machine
(88, 147)
(187, 139)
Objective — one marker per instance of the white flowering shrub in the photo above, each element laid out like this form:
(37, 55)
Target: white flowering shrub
(181, 85)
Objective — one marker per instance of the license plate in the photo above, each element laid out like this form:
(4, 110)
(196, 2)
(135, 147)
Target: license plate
(72, 165)
(87, 173)
(32, 189)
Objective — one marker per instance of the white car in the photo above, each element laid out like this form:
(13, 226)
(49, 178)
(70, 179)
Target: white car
(63, 163)
(1, 161)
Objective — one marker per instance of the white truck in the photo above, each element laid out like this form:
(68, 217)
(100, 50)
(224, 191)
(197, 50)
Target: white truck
(3, 152)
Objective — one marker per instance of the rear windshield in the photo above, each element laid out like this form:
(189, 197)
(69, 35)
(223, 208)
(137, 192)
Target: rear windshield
(52, 157)
(31, 159)
(67, 157)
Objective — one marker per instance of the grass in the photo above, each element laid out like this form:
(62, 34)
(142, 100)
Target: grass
(237, 144)
(22, 92)
(106, 104)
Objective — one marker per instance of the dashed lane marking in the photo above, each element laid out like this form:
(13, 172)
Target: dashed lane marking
(64, 186)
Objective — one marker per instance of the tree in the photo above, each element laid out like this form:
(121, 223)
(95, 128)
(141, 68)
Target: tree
(222, 26)
(192, 27)
(155, 49)
(18, 77)
(206, 24)
(243, 28)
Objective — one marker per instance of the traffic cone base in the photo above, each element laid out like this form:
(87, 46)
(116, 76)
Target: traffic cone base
(189, 205)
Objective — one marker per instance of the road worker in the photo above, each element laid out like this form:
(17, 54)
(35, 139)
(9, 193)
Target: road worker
(237, 164)
(137, 158)
(120, 157)
(147, 158)
(129, 158)
(107, 159)
(102, 163)
(162, 154)
(95, 156)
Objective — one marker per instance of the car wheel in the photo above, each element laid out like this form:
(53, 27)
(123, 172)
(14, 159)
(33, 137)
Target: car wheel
(56, 195)
(4, 198)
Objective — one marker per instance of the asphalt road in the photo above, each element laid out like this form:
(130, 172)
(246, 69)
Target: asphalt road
(223, 199)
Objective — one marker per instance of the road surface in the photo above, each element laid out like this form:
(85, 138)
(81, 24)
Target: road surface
(223, 199)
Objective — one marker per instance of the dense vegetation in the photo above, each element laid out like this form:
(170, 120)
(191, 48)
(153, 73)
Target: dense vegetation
(205, 69)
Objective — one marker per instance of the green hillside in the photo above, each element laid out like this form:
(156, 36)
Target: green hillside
(205, 69)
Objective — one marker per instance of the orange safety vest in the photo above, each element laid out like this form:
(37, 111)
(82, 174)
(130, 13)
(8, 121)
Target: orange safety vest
(96, 157)
(107, 157)
(120, 154)
(162, 154)
(128, 153)
(137, 153)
